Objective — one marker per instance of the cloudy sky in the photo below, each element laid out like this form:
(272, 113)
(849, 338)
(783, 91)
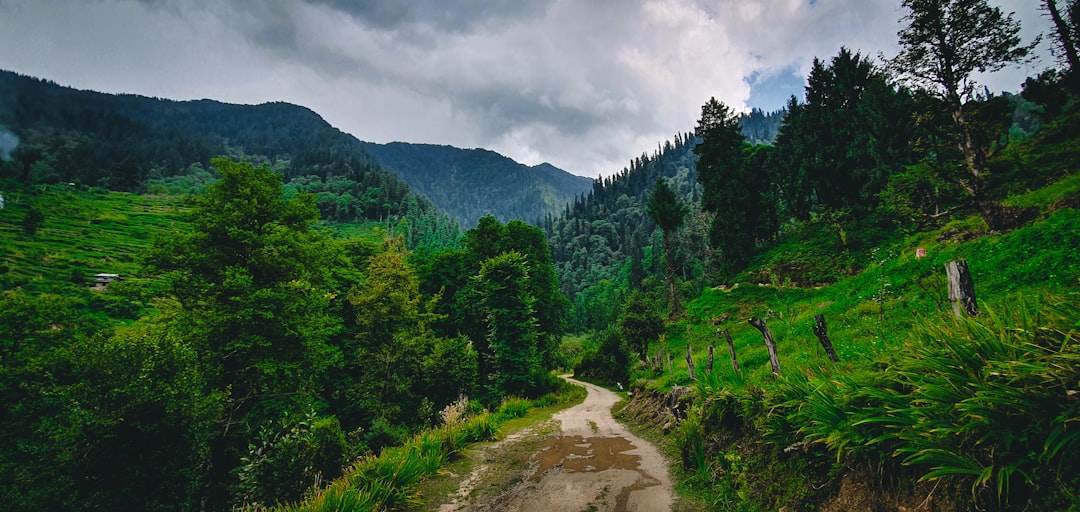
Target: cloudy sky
(585, 84)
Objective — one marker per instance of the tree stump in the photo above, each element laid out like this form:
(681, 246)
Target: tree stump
(770, 343)
(690, 362)
(731, 349)
(823, 336)
(961, 289)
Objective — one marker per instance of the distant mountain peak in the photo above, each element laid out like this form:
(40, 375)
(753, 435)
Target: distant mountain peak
(471, 183)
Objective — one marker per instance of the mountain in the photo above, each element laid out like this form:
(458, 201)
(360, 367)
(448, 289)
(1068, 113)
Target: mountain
(472, 183)
(57, 134)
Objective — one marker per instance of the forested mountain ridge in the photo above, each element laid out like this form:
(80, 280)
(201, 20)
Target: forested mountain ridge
(136, 143)
(471, 183)
(605, 241)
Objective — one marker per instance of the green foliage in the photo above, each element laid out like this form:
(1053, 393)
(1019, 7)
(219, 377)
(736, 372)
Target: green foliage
(728, 190)
(668, 213)
(117, 421)
(512, 356)
(839, 147)
(290, 457)
(640, 324)
(608, 360)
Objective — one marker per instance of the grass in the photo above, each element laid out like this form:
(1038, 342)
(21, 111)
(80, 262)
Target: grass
(917, 395)
(84, 232)
(397, 478)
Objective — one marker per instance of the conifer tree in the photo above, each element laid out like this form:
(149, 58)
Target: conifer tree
(668, 213)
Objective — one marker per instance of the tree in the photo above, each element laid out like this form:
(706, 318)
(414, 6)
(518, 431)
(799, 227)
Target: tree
(944, 43)
(668, 212)
(640, 324)
(1066, 30)
(512, 356)
(728, 190)
(255, 284)
(840, 145)
(384, 356)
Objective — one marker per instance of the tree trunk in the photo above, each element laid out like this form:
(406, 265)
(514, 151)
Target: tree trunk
(709, 369)
(731, 349)
(690, 362)
(669, 368)
(961, 289)
(823, 336)
(674, 308)
(770, 343)
(1065, 36)
(974, 153)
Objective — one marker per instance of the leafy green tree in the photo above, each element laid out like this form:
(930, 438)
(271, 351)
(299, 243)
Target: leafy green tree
(668, 212)
(382, 362)
(942, 46)
(514, 362)
(255, 283)
(32, 221)
(640, 324)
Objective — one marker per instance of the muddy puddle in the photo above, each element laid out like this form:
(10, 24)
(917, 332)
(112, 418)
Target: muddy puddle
(577, 454)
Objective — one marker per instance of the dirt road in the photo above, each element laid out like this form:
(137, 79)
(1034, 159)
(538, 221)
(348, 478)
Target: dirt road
(594, 464)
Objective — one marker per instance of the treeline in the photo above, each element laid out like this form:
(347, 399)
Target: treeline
(605, 244)
(138, 144)
(858, 156)
(472, 183)
(272, 357)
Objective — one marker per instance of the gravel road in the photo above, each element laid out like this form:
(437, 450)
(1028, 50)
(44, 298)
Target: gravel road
(594, 464)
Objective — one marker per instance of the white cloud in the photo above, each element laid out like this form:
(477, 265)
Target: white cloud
(584, 85)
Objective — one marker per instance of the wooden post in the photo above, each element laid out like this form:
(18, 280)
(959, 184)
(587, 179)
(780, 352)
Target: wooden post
(823, 336)
(690, 362)
(669, 368)
(961, 289)
(770, 343)
(731, 349)
(709, 369)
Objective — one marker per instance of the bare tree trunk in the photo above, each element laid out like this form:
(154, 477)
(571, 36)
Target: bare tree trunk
(822, 333)
(770, 343)
(690, 362)
(1065, 36)
(674, 307)
(709, 369)
(731, 349)
(961, 289)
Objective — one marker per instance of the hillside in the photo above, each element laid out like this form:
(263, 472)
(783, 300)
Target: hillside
(471, 183)
(130, 143)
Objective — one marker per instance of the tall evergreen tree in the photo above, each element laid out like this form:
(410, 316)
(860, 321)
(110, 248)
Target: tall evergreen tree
(668, 213)
(725, 188)
(839, 147)
(513, 361)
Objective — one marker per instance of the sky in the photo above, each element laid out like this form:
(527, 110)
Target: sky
(585, 85)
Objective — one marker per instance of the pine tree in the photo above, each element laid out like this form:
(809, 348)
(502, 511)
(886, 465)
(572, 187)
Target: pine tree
(668, 213)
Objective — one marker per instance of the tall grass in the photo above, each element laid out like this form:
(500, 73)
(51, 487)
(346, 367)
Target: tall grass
(988, 403)
(389, 481)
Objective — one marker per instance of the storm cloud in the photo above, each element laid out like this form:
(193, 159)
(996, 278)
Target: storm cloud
(585, 85)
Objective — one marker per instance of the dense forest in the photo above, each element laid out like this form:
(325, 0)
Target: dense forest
(881, 173)
(472, 183)
(253, 356)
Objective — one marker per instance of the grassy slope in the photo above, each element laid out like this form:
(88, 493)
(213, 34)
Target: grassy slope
(872, 315)
(83, 233)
